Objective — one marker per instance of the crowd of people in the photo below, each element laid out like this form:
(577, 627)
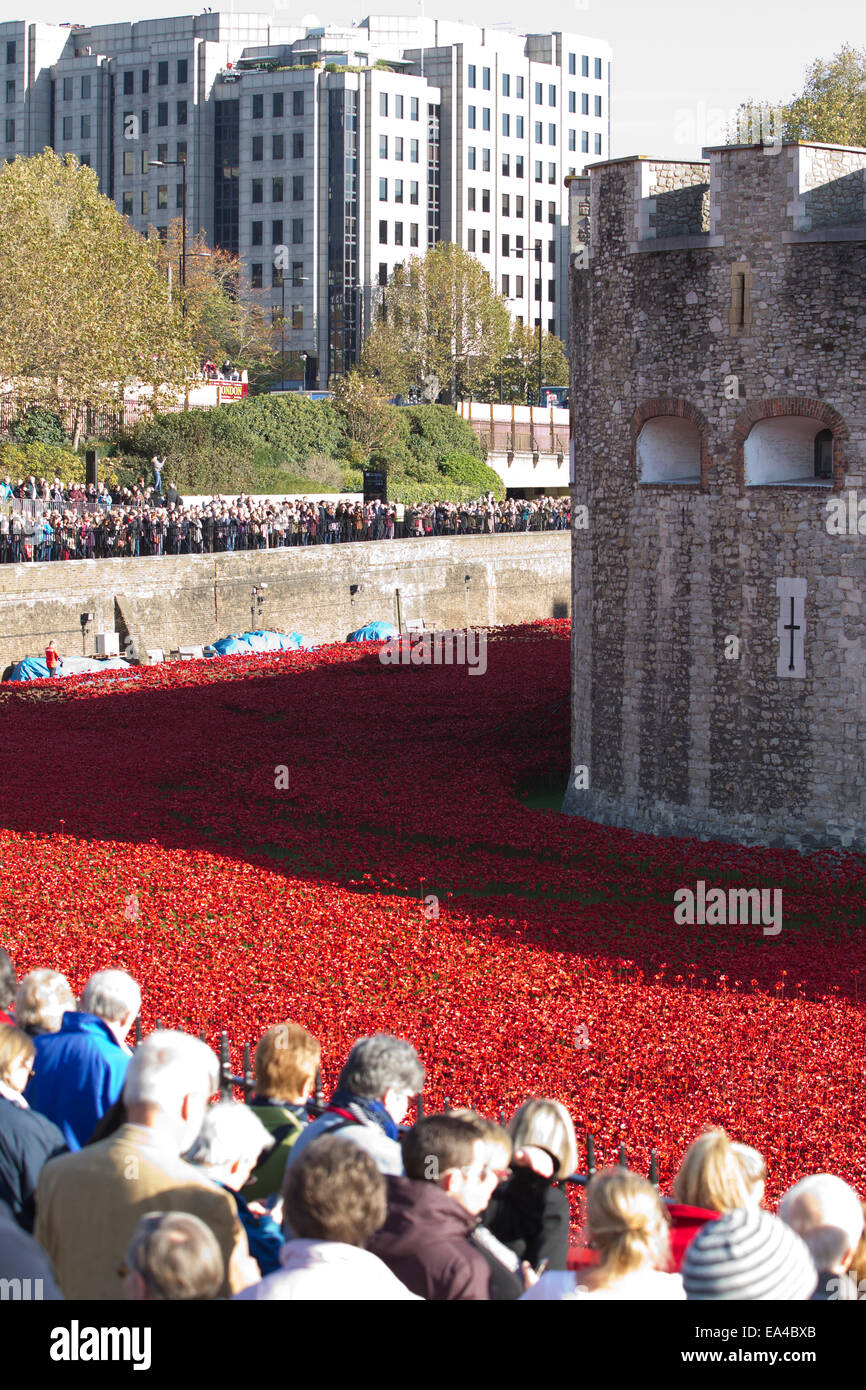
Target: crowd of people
(86, 523)
(119, 1179)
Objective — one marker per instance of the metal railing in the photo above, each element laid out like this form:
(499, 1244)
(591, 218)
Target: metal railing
(229, 1082)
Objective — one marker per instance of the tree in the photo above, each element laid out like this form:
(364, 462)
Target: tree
(831, 107)
(82, 301)
(384, 361)
(519, 366)
(370, 420)
(446, 317)
(219, 322)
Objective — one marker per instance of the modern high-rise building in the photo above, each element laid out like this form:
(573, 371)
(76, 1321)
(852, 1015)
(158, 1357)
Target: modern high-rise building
(325, 157)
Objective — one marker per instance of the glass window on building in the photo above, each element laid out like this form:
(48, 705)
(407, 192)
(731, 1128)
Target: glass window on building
(256, 275)
(485, 200)
(258, 148)
(126, 204)
(145, 162)
(256, 233)
(551, 95)
(383, 233)
(398, 233)
(470, 157)
(584, 142)
(297, 316)
(584, 66)
(470, 117)
(506, 165)
(506, 85)
(413, 151)
(470, 239)
(572, 139)
(572, 102)
(162, 153)
(485, 79)
(11, 49)
(551, 134)
(518, 127)
(485, 161)
(539, 132)
(598, 69)
(276, 190)
(85, 89)
(162, 196)
(598, 144)
(414, 114)
(277, 231)
(518, 166)
(398, 108)
(297, 145)
(598, 106)
(551, 173)
(182, 71)
(181, 113)
(383, 103)
(258, 191)
(297, 273)
(398, 190)
(506, 244)
(128, 84)
(518, 205)
(470, 78)
(145, 81)
(145, 203)
(584, 103)
(572, 64)
(413, 193)
(145, 122)
(470, 199)
(297, 103)
(485, 118)
(67, 128)
(413, 233)
(518, 251)
(539, 93)
(278, 146)
(297, 188)
(383, 147)
(10, 90)
(162, 74)
(518, 88)
(128, 164)
(85, 127)
(277, 105)
(538, 173)
(258, 106)
(162, 113)
(180, 153)
(383, 190)
(297, 231)
(10, 132)
(67, 89)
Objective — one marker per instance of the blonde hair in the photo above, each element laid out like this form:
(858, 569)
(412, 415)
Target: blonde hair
(14, 1045)
(626, 1222)
(286, 1061)
(41, 1000)
(545, 1124)
(713, 1175)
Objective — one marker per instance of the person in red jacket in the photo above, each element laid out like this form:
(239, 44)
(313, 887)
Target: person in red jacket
(52, 659)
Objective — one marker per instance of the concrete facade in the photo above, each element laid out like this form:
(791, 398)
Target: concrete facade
(719, 415)
(320, 170)
(469, 581)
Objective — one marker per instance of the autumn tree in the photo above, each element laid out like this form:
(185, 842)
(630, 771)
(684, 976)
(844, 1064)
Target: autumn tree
(447, 319)
(517, 370)
(830, 109)
(83, 300)
(221, 322)
(369, 418)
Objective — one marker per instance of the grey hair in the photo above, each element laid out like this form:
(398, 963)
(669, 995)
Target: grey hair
(826, 1213)
(168, 1066)
(111, 994)
(229, 1131)
(379, 1064)
(41, 1000)
(177, 1256)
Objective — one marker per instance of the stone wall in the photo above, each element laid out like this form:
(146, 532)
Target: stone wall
(678, 737)
(459, 582)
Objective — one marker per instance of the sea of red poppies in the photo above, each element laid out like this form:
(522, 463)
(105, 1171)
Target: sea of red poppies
(323, 837)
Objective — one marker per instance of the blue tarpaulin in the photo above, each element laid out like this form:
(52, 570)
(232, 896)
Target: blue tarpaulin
(34, 667)
(244, 643)
(373, 632)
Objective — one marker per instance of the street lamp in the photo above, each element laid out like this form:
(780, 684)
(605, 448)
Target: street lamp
(178, 164)
(538, 259)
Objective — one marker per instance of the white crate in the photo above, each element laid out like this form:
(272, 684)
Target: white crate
(154, 656)
(108, 644)
(190, 653)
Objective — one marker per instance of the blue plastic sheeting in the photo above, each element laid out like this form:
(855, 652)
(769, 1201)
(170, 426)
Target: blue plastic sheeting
(373, 632)
(244, 643)
(34, 667)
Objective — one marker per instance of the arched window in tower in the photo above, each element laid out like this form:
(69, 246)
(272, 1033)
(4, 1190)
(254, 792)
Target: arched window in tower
(788, 449)
(824, 455)
(669, 451)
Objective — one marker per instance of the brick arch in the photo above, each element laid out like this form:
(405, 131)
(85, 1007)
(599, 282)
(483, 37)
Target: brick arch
(669, 405)
(803, 406)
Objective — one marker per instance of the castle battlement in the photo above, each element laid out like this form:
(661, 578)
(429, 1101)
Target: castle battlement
(806, 191)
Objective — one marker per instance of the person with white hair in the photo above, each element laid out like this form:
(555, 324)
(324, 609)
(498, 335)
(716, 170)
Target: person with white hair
(827, 1215)
(80, 1070)
(41, 1000)
(228, 1147)
(88, 1204)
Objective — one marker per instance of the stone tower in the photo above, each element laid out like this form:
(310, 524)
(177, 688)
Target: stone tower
(718, 387)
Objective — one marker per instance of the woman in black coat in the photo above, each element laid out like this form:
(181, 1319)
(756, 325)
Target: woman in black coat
(528, 1212)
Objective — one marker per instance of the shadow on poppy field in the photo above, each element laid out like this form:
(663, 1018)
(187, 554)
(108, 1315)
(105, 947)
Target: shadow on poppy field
(319, 836)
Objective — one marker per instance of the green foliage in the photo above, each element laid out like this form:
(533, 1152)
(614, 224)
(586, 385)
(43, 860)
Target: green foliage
(831, 108)
(48, 461)
(469, 471)
(37, 426)
(445, 431)
(293, 424)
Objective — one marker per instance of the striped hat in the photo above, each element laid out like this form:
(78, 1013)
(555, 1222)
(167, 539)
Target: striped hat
(750, 1255)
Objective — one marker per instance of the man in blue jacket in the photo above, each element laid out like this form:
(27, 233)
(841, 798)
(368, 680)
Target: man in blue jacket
(79, 1072)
